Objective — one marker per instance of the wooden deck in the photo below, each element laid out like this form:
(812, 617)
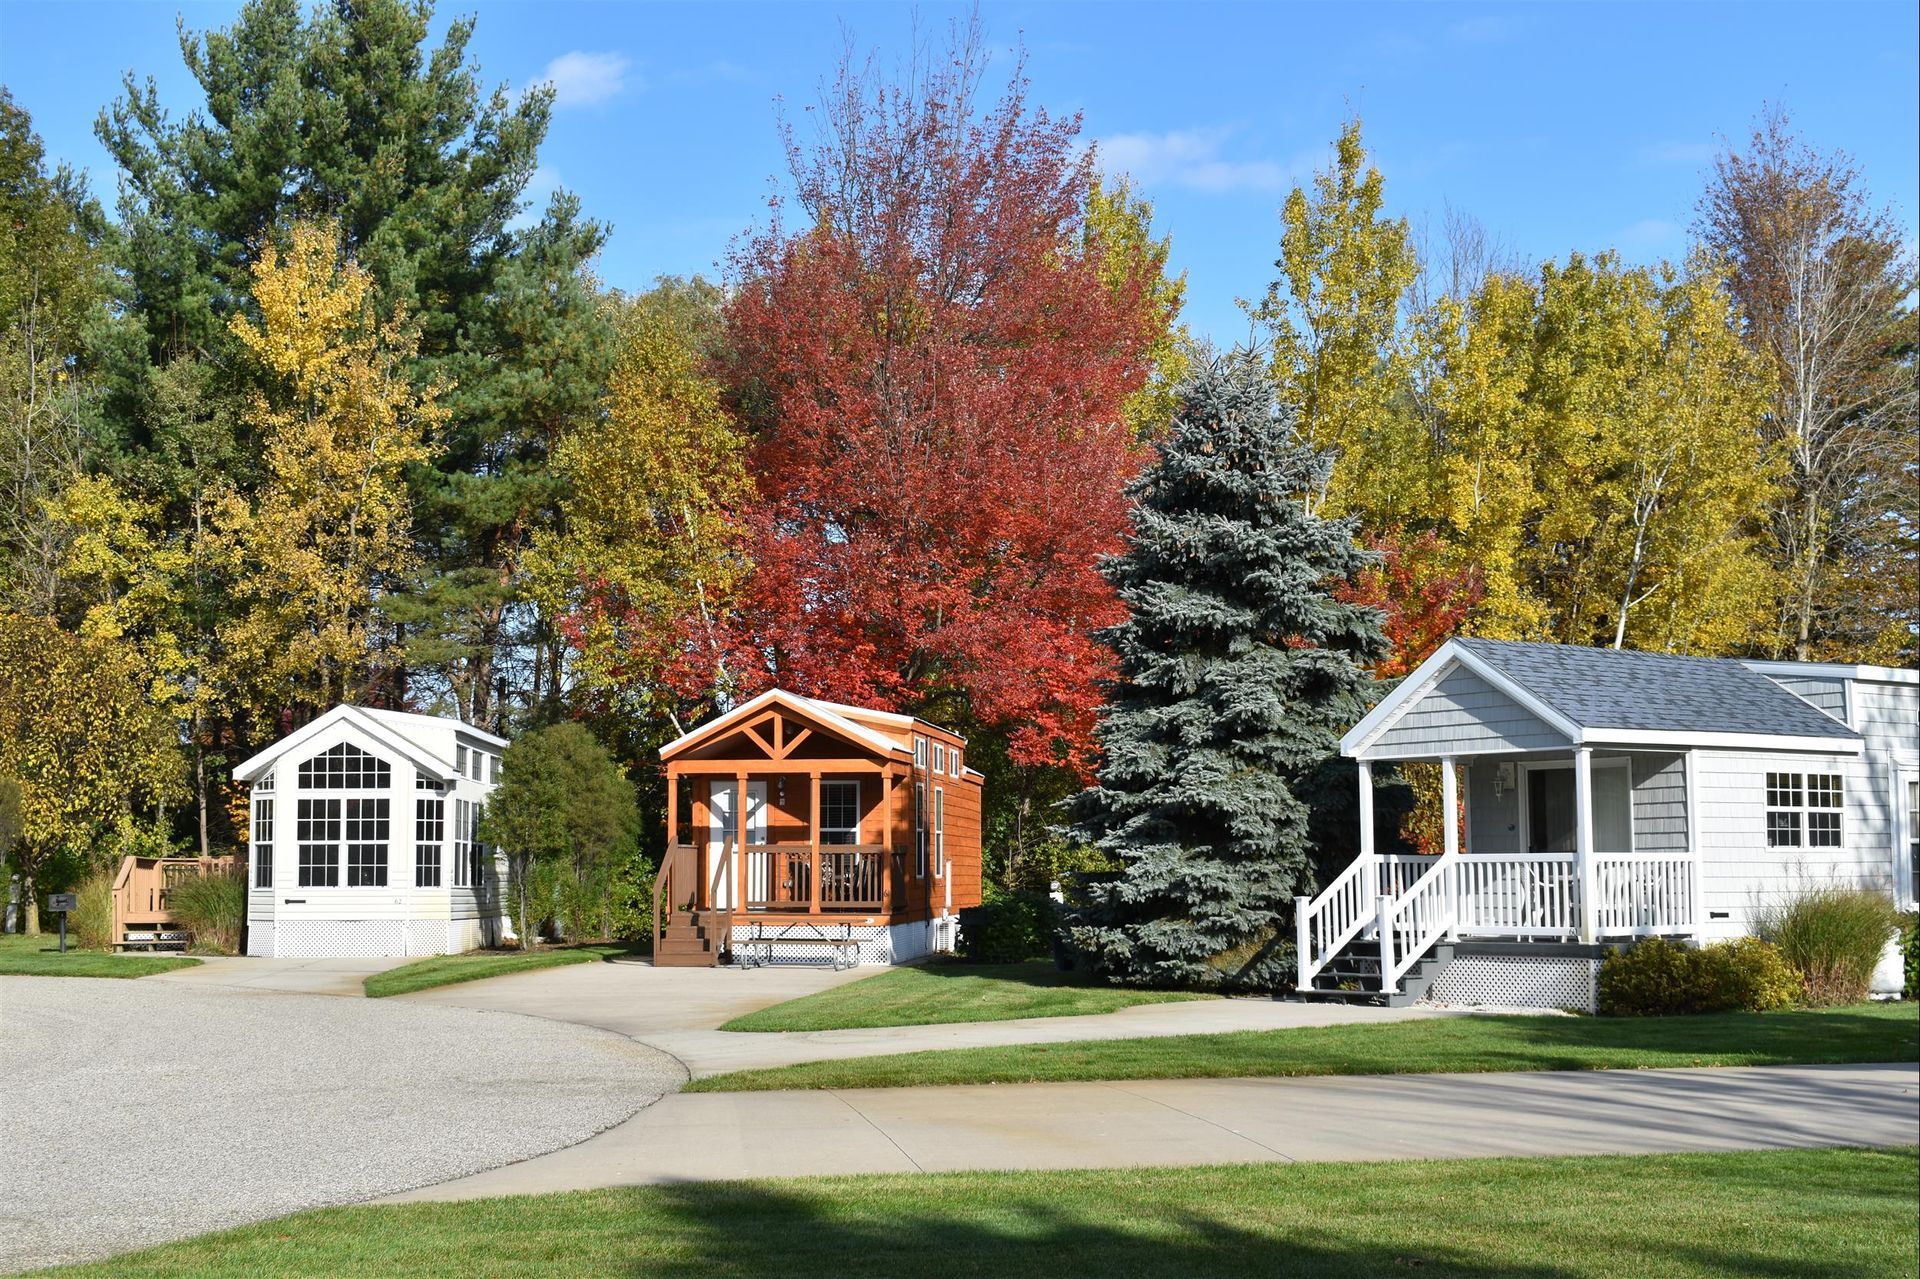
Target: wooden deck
(140, 890)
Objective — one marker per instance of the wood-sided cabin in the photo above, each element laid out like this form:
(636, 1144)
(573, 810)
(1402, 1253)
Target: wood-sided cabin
(858, 839)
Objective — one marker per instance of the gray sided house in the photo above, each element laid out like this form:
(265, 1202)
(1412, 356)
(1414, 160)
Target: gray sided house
(1595, 796)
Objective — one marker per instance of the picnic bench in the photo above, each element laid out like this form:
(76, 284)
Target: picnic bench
(834, 942)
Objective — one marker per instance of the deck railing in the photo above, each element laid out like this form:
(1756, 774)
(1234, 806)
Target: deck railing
(1409, 903)
(852, 877)
(141, 885)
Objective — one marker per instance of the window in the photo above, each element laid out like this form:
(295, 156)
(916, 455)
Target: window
(345, 768)
(919, 752)
(479, 762)
(493, 768)
(939, 758)
(429, 834)
(367, 829)
(262, 842)
(839, 812)
(317, 831)
(460, 760)
(1803, 810)
(462, 835)
(265, 784)
(953, 761)
(939, 831)
(920, 829)
(1913, 839)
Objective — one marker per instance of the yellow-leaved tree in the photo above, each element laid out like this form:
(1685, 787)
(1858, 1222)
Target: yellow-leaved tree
(647, 552)
(328, 534)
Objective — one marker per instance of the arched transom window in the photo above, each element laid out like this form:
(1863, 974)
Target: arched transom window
(345, 767)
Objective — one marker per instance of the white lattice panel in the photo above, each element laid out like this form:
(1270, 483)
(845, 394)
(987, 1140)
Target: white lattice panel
(1516, 981)
(260, 937)
(428, 937)
(339, 938)
(878, 944)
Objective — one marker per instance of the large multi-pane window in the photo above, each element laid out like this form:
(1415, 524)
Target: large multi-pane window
(367, 823)
(345, 767)
(429, 835)
(469, 854)
(1804, 810)
(262, 833)
(317, 833)
(839, 812)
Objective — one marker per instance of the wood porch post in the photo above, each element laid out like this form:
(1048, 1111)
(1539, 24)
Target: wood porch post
(673, 805)
(1583, 842)
(737, 898)
(886, 840)
(813, 827)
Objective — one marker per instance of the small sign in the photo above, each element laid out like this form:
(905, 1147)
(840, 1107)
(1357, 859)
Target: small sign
(61, 902)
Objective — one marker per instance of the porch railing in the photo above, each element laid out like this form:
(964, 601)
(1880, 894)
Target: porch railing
(1409, 903)
(852, 877)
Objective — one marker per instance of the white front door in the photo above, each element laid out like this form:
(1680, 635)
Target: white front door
(722, 830)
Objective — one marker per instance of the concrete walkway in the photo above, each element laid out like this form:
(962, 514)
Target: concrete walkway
(723, 1136)
(280, 976)
(676, 1011)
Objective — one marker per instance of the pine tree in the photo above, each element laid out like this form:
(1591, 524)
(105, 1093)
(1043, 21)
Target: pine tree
(1239, 670)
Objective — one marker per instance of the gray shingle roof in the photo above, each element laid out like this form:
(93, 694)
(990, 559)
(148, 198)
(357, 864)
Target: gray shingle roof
(1659, 692)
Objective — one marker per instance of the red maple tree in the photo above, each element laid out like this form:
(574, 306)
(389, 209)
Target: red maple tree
(1424, 600)
(932, 371)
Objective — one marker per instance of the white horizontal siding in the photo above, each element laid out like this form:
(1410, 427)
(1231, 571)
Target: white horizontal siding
(1462, 714)
(1739, 873)
(1659, 803)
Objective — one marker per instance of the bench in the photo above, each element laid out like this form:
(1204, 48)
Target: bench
(152, 939)
(842, 949)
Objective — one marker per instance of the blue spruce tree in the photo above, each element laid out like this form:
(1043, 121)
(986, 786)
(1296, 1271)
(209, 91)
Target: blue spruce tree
(1238, 673)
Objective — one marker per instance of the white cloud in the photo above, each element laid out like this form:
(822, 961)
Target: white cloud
(581, 79)
(1190, 158)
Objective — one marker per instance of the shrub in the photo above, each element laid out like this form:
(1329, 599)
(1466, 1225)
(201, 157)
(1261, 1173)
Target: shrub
(1658, 978)
(1007, 928)
(1910, 951)
(1834, 936)
(212, 908)
(90, 923)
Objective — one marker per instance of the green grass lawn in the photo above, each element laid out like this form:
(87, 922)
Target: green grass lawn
(1813, 1214)
(947, 991)
(1868, 1032)
(40, 957)
(445, 970)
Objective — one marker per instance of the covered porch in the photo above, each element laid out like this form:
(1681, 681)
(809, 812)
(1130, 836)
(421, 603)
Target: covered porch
(1577, 846)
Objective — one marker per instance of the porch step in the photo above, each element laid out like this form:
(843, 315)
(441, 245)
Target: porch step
(1353, 976)
(690, 939)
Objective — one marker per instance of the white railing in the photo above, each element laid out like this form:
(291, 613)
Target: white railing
(1410, 902)
(1324, 925)
(1520, 895)
(1414, 920)
(1645, 894)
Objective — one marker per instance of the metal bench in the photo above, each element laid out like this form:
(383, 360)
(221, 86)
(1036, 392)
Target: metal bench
(841, 948)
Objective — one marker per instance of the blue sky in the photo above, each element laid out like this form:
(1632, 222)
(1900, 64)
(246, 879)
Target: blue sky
(1560, 127)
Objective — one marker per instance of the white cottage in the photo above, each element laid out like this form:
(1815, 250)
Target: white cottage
(1594, 796)
(362, 838)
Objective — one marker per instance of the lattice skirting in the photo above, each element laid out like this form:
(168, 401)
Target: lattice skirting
(879, 943)
(260, 937)
(1515, 981)
(338, 938)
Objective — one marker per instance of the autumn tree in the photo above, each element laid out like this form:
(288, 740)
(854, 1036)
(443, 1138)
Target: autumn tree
(1826, 283)
(328, 537)
(647, 557)
(935, 369)
(80, 744)
(1335, 319)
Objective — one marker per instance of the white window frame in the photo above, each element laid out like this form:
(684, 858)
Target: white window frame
(261, 823)
(939, 832)
(429, 834)
(840, 785)
(919, 752)
(1906, 800)
(461, 844)
(920, 830)
(939, 757)
(1791, 793)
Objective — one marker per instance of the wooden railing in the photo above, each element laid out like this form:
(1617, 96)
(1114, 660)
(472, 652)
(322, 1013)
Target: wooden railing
(675, 886)
(141, 884)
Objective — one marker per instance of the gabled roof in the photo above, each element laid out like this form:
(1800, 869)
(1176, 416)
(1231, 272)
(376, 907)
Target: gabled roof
(828, 714)
(1601, 696)
(381, 729)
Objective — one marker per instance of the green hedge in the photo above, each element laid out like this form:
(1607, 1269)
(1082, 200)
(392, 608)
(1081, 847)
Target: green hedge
(1657, 978)
(1007, 927)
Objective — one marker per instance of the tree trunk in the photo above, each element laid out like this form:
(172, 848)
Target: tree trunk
(29, 903)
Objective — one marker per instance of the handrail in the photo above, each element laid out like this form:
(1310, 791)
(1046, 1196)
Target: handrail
(1411, 923)
(674, 863)
(1519, 895)
(1323, 925)
(1645, 894)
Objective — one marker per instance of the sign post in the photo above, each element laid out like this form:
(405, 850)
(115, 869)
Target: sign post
(60, 904)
